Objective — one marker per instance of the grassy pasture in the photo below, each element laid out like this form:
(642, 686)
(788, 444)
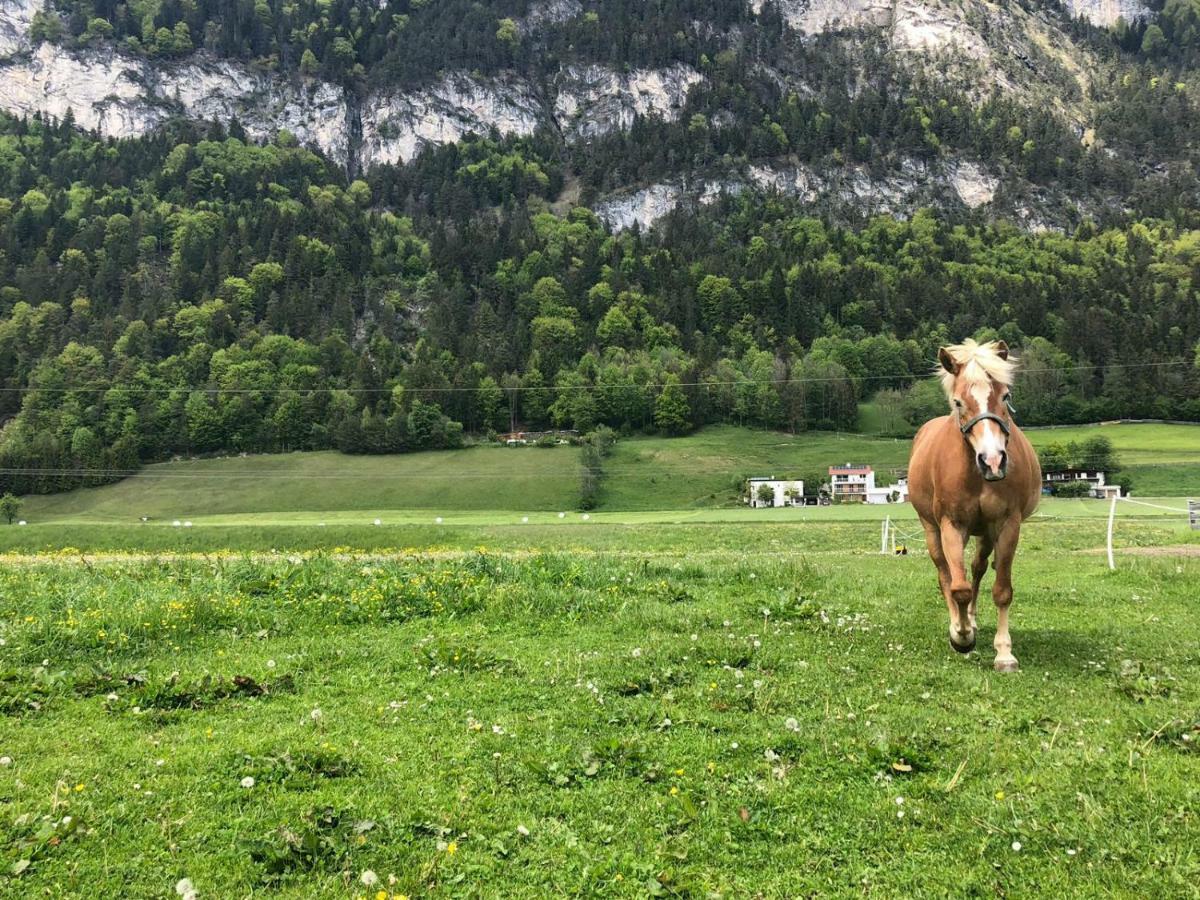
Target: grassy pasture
(725, 708)
(694, 474)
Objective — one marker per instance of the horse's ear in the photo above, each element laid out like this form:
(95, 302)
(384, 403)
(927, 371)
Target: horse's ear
(1002, 349)
(947, 361)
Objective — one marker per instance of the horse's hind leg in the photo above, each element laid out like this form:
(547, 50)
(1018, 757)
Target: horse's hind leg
(962, 627)
(1002, 593)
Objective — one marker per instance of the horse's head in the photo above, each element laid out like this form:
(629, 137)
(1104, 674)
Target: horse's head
(977, 379)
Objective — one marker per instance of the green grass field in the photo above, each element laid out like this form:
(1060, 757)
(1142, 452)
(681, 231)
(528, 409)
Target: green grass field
(695, 473)
(723, 708)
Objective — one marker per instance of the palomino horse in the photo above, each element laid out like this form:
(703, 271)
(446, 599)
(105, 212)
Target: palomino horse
(973, 473)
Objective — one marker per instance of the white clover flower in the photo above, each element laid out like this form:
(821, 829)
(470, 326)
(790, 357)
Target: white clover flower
(522, 831)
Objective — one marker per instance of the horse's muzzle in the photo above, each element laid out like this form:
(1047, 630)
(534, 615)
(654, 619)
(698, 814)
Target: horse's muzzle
(990, 474)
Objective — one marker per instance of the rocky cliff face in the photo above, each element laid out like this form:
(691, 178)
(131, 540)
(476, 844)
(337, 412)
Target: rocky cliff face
(120, 96)
(911, 184)
(1106, 13)
(593, 100)
(396, 126)
(123, 96)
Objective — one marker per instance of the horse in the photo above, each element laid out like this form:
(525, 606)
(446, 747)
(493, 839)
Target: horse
(973, 473)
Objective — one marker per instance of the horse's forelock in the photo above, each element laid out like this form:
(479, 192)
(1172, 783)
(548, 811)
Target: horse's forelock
(978, 363)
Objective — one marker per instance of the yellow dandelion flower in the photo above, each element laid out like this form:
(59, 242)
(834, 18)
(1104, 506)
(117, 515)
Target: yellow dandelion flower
(452, 848)
(78, 788)
(999, 795)
(674, 790)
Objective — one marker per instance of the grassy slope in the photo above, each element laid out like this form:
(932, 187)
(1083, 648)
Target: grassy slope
(715, 717)
(691, 473)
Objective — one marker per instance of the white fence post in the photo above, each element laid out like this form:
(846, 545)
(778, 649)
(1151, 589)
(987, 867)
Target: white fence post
(883, 535)
(1112, 512)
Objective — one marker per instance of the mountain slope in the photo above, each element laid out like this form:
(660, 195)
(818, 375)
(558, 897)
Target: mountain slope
(551, 80)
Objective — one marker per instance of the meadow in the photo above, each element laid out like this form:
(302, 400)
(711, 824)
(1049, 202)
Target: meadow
(723, 708)
(698, 474)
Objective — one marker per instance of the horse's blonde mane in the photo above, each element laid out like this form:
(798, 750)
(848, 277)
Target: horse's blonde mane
(979, 363)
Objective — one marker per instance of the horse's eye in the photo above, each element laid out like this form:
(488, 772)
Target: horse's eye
(1007, 397)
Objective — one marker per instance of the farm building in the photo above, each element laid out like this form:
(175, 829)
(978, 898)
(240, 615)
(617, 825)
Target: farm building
(520, 438)
(770, 491)
(1097, 486)
(856, 484)
(889, 493)
(850, 483)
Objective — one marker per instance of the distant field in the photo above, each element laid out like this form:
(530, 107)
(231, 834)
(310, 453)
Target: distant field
(644, 474)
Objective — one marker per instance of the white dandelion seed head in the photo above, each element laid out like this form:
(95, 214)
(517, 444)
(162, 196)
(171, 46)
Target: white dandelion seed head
(316, 714)
(636, 652)
(899, 814)
(248, 781)
(522, 831)
(5, 760)
(791, 724)
(369, 878)
(270, 663)
(1016, 845)
(185, 889)
(438, 520)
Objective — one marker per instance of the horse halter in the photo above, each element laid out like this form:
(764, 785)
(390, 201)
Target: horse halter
(966, 427)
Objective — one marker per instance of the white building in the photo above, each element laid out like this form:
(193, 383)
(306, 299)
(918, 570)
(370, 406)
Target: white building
(856, 484)
(889, 493)
(850, 483)
(1097, 487)
(783, 492)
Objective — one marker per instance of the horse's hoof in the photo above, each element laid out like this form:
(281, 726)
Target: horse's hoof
(1006, 665)
(963, 648)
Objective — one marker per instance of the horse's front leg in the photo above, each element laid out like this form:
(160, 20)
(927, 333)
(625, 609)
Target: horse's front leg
(979, 566)
(1002, 593)
(958, 593)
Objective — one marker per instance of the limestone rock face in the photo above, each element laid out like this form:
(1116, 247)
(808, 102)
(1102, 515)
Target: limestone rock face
(396, 126)
(594, 100)
(15, 17)
(1105, 13)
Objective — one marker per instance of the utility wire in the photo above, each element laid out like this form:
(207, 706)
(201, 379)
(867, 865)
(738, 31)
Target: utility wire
(551, 388)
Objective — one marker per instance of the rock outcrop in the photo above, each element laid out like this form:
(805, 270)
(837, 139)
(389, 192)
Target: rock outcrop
(396, 126)
(594, 100)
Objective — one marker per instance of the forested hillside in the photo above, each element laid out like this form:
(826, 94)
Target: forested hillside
(196, 290)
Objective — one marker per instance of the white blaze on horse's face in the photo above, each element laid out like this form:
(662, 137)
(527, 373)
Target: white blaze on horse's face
(990, 443)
